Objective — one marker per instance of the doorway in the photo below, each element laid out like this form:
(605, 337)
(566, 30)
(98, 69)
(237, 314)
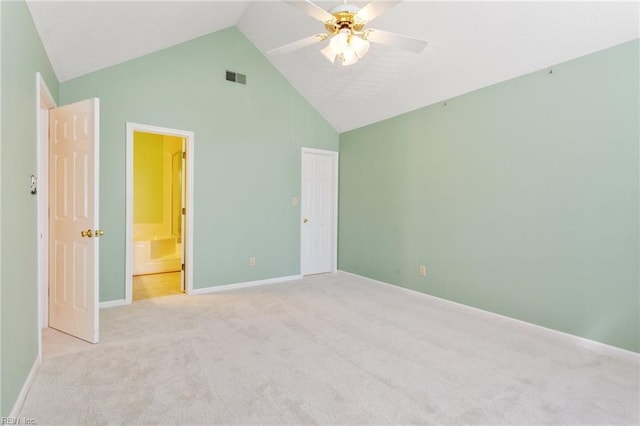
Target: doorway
(319, 221)
(158, 212)
(45, 103)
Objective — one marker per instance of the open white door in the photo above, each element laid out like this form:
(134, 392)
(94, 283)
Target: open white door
(319, 211)
(73, 219)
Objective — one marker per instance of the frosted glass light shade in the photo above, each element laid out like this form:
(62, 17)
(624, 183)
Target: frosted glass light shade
(360, 45)
(340, 41)
(347, 47)
(329, 53)
(349, 57)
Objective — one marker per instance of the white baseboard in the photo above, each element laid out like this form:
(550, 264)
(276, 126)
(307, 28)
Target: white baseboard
(598, 347)
(15, 411)
(245, 284)
(112, 303)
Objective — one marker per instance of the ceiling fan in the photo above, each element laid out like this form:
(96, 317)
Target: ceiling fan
(347, 35)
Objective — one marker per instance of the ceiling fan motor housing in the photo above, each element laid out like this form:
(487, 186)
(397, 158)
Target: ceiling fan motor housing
(344, 17)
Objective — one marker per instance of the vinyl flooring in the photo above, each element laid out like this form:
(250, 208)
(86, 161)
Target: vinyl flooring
(156, 285)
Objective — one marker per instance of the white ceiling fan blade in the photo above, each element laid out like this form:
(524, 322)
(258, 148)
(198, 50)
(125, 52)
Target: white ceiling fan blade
(299, 44)
(374, 9)
(396, 40)
(311, 9)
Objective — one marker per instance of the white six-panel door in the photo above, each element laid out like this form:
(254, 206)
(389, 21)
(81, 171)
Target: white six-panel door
(318, 209)
(73, 219)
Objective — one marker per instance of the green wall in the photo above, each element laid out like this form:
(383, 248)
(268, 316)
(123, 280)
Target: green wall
(520, 198)
(148, 178)
(22, 56)
(247, 154)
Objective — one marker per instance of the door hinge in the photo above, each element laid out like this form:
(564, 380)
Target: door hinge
(184, 155)
(184, 210)
(183, 266)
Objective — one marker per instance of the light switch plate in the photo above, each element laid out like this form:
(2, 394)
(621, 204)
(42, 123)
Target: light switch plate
(422, 271)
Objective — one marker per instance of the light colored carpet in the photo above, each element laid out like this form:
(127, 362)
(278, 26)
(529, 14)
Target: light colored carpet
(330, 349)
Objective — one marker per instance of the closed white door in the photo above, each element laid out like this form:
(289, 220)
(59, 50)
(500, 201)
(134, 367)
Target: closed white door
(73, 219)
(319, 207)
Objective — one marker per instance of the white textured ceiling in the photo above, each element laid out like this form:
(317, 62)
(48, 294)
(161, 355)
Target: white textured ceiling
(84, 36)
(471, 44)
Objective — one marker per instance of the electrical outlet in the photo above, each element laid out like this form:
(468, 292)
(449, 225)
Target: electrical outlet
(422, 271)
(252, 261)
(294, 200)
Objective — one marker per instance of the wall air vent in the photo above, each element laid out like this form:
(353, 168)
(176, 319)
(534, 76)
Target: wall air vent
(236, 77)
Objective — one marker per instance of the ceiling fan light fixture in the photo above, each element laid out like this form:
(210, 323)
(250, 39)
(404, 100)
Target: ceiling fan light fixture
(349, 41)
(360, 45)
(349, 57)
(340, 41)
(346, 46)
(329, 53)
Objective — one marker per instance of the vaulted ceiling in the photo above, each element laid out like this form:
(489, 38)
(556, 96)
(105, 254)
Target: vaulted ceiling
(471, 44)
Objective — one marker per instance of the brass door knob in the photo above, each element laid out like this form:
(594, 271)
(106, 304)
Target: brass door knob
(88, 233)
(305, 220)
(99, 233)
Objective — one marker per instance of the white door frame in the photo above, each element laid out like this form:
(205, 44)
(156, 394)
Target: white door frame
(44, 102)
(334, 201)
(188, 237)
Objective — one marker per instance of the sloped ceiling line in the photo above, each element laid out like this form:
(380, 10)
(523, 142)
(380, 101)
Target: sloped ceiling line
(471, 44)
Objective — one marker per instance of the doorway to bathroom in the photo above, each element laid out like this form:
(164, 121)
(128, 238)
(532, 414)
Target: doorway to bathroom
(159, 194)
